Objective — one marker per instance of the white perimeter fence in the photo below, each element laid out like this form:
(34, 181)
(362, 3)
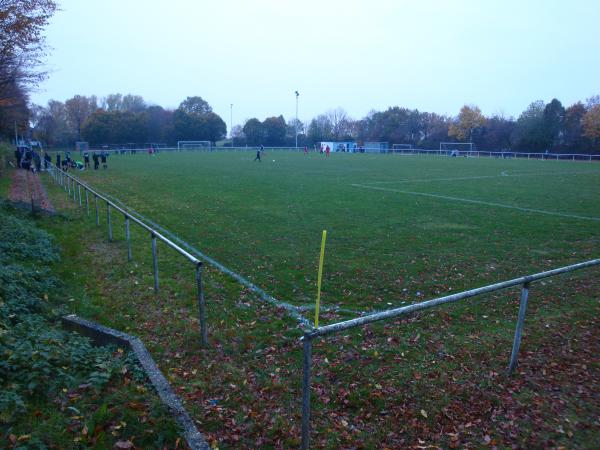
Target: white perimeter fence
(397, 151)
(501, 154)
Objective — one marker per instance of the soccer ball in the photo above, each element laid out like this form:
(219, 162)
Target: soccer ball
(273, 160)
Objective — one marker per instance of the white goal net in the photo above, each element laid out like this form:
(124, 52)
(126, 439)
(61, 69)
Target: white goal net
(399, 148)
(194, 145)
(457, 148)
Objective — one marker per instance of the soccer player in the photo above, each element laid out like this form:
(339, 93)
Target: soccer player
(47, 160)
(327, 150)
(37, 161)
(258, 152)
(95, 158)
(86, 159)
(103, 156)
(305, 150)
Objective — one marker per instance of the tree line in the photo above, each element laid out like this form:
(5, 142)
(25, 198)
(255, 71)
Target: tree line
(540, 127)
(120, 119)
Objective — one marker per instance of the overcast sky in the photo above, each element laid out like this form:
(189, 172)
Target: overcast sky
(434, 55)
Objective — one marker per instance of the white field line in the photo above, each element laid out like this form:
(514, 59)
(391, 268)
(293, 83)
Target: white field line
(426, 180)
(479, 202)
(504, 173)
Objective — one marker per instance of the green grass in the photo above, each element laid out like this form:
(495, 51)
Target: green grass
(385, 248)
(56, 389)
(264, 221)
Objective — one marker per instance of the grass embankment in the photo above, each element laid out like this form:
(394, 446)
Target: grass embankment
(56, 389)
(432, 379)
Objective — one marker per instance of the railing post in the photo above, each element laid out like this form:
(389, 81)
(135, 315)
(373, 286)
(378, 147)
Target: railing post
(306, 372)
(74, 192)
(108, 221)
(97, 214)
(69, 187)
(128, 238)
(87, 202)
(201, 305)
(79, 191)
(519, 330)
(154, 262)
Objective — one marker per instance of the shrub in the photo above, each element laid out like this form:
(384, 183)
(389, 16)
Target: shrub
(37, 358)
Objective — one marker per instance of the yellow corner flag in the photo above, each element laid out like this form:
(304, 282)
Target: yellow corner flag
(319, 278)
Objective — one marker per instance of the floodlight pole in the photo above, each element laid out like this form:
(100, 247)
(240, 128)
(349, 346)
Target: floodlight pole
(231, 123)
(296, 124)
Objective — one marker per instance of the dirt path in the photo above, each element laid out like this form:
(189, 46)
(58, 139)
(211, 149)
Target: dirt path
(26, 186)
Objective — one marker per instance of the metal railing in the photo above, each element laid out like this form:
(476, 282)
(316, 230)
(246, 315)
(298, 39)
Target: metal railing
(402, 151)
(73, 187)
(499, 154)
(326, 330)
(144, 151)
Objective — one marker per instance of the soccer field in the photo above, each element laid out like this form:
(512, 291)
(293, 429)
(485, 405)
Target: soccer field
(400, 228)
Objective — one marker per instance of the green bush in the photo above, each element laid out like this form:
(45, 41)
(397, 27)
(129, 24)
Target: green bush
(38, 359)
(21, 241)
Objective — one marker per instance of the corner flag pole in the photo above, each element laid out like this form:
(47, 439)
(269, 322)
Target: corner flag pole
(320, 277)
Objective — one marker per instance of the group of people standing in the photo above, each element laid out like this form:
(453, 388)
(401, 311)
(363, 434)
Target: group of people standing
(97, 158)
(325, 150)
(68, 163)
(28, 159)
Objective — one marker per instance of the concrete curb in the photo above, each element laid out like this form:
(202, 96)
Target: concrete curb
(101, 335)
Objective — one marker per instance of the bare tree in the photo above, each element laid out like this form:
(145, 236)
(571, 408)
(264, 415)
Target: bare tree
(79, 108)
(339, 122)
(112, 102)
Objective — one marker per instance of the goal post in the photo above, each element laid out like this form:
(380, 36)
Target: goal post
(456, 148)
(400, 148)
(194, 145)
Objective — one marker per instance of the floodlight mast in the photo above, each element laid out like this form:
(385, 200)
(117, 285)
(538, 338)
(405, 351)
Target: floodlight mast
(231, 123)
(296, 124)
